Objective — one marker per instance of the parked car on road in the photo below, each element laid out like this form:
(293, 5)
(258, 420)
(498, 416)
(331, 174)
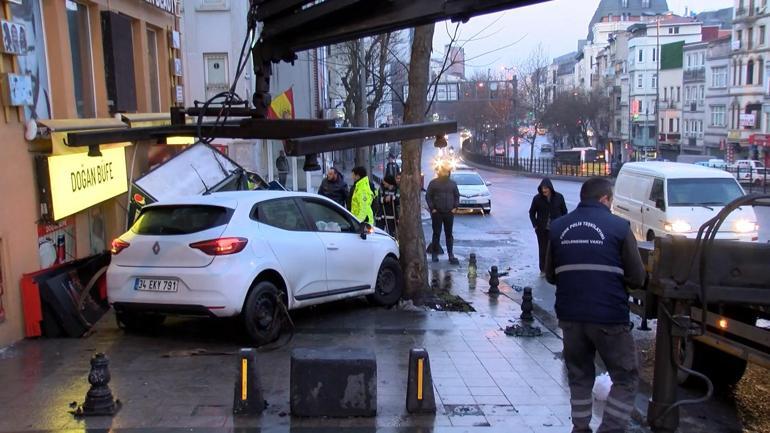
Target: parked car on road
(660, 198)
(474, 194)
(248, 254)
(746, 170)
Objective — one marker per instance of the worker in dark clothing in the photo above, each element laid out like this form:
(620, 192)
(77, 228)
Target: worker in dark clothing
(592, 257)
(282, 166)
(392, 168)
(546, 206)
(443, 198)
(388, 205)
(333, 186)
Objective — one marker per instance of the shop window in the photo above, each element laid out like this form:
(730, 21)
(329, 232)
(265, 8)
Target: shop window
(154, 77)
(119, 72)
(96, 230)
(82, 65)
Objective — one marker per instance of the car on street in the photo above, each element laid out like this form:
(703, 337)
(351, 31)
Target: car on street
(671, 198)
(252, 254)
(474, 194)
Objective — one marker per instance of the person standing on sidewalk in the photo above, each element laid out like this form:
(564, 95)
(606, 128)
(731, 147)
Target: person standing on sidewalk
(388, 205)
(282, 167)
(392, 168)
(546, 206)
(333, 186)
(592, 257)
(443, 198)
(362, 196)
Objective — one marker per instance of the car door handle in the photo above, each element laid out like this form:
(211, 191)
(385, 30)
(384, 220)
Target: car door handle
(623, 209)
(332, 247)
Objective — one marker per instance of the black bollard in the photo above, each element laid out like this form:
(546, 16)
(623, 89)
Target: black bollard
(99, 400)
(248, 398)
(494, 281)
(472, 266)
(644, 326)
(525, 329)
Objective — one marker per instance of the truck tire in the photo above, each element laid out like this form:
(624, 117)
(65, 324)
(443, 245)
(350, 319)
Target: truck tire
(723, 369)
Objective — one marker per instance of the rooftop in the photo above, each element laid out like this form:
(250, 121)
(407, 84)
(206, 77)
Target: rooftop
(634, 8)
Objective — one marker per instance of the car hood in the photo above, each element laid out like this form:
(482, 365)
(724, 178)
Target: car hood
(696, 216)
(470, 190)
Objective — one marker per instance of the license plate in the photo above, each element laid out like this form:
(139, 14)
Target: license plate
(156, 285)
(466, 202)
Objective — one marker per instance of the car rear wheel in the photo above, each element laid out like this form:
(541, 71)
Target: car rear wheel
(390, 283)
(139, 322)
(264, 313)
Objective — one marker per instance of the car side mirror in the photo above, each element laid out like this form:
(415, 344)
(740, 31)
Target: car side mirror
(365, 229)
(488, 183)
(660, 204)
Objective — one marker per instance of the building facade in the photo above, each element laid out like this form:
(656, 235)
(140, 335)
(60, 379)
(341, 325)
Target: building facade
(694, 105)
(717, 95)
(750, 48)
(77, 65)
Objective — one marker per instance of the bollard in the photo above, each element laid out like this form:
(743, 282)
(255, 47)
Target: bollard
(525, 329)
(494, 281)
(248, 398)
(472, 266)
(419, 390)
(99, 400)
(644, 326)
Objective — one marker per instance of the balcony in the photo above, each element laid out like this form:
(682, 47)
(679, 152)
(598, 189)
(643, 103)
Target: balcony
(736, 45)
(739, 12)
(670, 138)
(697, 74)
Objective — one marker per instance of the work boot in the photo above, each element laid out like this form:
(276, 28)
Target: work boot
(453, 260)
(434, 257)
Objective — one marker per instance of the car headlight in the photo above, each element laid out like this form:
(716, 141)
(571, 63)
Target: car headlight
(678, 226)
(745, 226)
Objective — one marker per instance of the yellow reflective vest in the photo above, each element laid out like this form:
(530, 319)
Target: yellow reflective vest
(361, 203)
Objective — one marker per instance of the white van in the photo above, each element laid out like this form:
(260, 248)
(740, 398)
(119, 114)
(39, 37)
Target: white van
(660, 198)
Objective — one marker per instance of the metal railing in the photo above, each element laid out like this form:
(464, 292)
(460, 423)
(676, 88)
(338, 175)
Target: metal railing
(752, 179)
(544, 166)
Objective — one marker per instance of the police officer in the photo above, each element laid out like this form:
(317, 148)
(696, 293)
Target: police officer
(592, 257)
(362, 196)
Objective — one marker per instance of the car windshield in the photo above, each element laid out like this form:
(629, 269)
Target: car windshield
(467, 179)
(702, 192)
(180, 220)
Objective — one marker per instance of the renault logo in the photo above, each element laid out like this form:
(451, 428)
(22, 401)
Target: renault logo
(156, 248)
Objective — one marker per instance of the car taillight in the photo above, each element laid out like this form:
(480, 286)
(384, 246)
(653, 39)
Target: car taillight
(221, 246)
(118, 245)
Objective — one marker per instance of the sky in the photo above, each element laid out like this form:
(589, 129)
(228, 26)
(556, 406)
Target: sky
(506, 38)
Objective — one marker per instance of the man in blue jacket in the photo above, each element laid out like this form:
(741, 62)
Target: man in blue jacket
(592, 256)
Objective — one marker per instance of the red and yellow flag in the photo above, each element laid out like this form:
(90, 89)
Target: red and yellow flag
(282, 106)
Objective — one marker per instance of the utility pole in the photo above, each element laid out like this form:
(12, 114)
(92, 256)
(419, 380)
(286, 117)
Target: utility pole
(514, 102)
(362, 156)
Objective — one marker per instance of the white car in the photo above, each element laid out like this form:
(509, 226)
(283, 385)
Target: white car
(474, 194)
(254, 254)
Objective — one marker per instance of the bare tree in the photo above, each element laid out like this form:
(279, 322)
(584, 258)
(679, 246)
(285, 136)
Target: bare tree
(412, 239)
(533, 74)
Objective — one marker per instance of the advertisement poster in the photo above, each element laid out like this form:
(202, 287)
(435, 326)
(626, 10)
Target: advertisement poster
(28, 16)
(56, 242)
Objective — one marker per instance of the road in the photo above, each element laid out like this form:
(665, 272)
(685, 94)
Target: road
(505, 237)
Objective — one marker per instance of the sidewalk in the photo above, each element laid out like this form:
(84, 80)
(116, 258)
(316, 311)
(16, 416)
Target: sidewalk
(485, 381)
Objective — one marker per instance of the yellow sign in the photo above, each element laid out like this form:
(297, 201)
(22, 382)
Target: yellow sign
(79, 181)
(734, 135)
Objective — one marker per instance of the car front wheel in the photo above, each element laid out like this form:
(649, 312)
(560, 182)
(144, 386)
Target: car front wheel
(390, 283)
(263, 313)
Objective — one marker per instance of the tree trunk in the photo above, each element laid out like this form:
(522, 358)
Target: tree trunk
(410, 234)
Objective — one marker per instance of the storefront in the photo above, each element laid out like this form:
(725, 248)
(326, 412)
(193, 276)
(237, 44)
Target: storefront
(760, 147)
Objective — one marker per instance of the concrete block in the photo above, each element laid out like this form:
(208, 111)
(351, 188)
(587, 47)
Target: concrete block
(333, 383)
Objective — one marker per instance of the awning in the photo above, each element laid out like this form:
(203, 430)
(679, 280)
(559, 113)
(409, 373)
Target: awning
(762, 140)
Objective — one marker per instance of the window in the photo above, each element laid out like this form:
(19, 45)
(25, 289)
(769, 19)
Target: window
(750, 37)
(703, 191)
(689, 61)
(216, 76)
(661, 124)
(327, 218)
(656, 193)
(678, 93)
(718, 115)
(687, 95)
(654, 81)
(640, 81)
(670, 125)
(82, 66)
(677, 125)
(686, 126)
(180, 220)
(624, 3)
(735, 78)
(760, 71)
(750, 72)
(676, 30)
(739, 36)
(641, 55)
(740, 72)
(719, 77)
(154, 78)
(703, 59)
(281, 213)
(665, 93)
(645, 3)
(654, 54)
(762, 35)
(700, 126)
